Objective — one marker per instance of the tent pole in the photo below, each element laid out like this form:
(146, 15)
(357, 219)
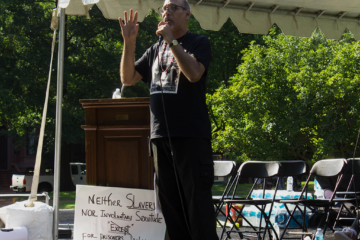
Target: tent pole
(58, 123)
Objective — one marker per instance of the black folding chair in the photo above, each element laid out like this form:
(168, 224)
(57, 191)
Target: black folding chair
(252, 169)
(324, 168)
(223, 169)
(294, 168)
(351, 195)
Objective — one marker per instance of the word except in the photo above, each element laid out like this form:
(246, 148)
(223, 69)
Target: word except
(104, 201)
(150, 218)
(119, 229)
(148, 206)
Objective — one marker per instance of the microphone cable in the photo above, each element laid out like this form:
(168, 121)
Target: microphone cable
(170, 144)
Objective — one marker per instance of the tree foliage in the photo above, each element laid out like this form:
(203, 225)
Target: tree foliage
(292, 98)
(93, 49)
(226, 50)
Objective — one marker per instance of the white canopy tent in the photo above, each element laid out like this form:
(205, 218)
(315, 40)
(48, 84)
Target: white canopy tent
(294, 17)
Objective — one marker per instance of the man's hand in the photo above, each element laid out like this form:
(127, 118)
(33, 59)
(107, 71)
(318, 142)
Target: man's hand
(130, 27)
(164, 29)
(129, 30)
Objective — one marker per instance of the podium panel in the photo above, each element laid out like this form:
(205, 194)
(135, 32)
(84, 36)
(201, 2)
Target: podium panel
(116, 143)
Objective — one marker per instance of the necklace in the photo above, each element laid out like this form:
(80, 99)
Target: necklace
(162, 57)
(173, 59)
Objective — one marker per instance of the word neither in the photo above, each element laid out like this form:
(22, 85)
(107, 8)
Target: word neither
(104, 201)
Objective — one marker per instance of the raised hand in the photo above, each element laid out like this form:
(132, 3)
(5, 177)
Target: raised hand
(130, 27)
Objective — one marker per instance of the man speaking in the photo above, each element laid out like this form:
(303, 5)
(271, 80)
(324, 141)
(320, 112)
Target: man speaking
(175, 70)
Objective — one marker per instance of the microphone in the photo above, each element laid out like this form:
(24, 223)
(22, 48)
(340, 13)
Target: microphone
(160, 38)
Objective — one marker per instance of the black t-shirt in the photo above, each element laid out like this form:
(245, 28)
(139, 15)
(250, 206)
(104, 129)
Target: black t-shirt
(184, 102)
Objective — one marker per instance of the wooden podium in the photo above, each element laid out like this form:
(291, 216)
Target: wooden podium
(116, 143)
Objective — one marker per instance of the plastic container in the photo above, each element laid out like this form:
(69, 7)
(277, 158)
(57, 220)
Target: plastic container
(249, 213)
(319, 234)
(282, 216)
(258, 215)
(116, 94)
(16, 233)
(276, 230)
(283, 194)
(319, 192)
(289, 185)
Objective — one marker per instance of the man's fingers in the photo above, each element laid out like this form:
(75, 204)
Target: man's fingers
(125, 17)
(121, 22)
(159, 30)
(131, 15)
(136, 17)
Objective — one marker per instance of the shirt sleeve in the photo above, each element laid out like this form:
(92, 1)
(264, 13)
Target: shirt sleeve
(202, 52)
(142, 65)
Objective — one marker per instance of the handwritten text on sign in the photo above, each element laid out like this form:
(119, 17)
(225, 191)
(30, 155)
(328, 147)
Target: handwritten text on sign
(116, 213)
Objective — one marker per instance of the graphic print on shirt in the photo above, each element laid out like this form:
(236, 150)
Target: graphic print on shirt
(169, 79)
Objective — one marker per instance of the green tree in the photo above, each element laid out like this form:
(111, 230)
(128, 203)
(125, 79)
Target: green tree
(292, 98)
(93, 49)
(227, 45)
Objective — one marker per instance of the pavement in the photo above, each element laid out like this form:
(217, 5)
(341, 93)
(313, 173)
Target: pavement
(66, 219)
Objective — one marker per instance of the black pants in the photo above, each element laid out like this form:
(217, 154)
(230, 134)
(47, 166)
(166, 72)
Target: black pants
(195, 172)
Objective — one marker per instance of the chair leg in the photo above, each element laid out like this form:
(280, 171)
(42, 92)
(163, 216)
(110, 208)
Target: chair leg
(322, 220)
(228, 217)
(291, 216)
(338, 216)
(337, 220)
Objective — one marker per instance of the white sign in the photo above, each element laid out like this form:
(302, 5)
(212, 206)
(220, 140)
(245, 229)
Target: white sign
(116, 213)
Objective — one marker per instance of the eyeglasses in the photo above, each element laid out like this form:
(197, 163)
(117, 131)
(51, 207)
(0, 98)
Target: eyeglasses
(169, 8)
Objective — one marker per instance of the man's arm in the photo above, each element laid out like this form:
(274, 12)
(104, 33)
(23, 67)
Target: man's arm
(189, 66)
(129, 30)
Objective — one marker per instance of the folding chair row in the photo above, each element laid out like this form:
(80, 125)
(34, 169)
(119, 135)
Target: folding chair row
(268, 169)
(263, 170)
(325, 168)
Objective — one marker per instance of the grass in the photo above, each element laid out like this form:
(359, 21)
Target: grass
(67, 205)
(310, 187)
(65, 196)
(242, 189)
